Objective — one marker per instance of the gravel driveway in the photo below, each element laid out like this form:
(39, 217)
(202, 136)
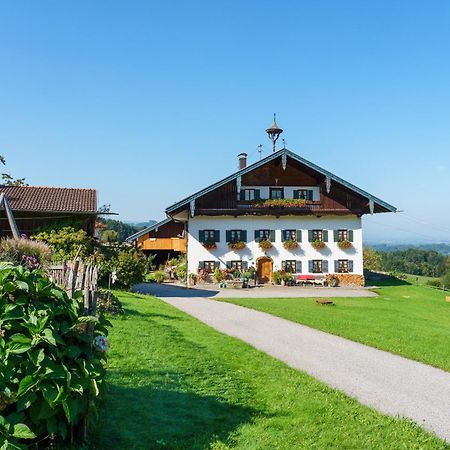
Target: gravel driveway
(389, 383)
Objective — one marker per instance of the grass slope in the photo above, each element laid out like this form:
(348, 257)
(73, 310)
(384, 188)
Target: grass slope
(177, 384)
(412, 321)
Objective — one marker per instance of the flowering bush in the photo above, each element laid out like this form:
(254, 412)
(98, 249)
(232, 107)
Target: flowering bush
(265, 244)
(281, 203)
(281, 275)
(50, 373)
(108, 303)
(290, 244)
(236, 245)
(344, 244)
(210, 245)
(318, 245)
(31, 254)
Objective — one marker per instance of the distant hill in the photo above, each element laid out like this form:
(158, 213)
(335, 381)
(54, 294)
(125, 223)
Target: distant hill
(142, 225)
(444, 249)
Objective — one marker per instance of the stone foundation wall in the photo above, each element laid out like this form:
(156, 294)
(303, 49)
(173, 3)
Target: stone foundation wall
(349, 279)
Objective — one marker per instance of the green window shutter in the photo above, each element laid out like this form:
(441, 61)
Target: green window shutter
(310, 266)
(336, 235)
(228, 263)
(310, 195)
(245, 266)
(216, 235)
(257, 239)
(272, 235)
(350, 265)
(296, 193)
(298, 267)
(228, 235)
(244, 235)
(242, 195)
(217, 265)
(201, 265)
(310, 235)
(283, 235)
(336, 266)
(201, 235)
(325, 266)
(350, 235)
(257, 194)
(299, 235)
(325, 235)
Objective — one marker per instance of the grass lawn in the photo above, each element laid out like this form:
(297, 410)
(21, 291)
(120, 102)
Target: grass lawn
(175, 383)
(412, 321)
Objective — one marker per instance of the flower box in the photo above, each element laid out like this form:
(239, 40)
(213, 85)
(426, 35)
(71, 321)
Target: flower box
(209, 245)
(236, 245)
(318, 245)
(290, 244)
(281, 203)
(265, 245)
(344, 244)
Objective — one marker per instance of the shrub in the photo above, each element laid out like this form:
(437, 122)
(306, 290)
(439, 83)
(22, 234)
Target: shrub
(218, 275)
(65, 242)
(33, 254)
(130, 266)
(281, 275)
(107, 302)
(434, 283)
(107, 236)
(159, 276)
(50, 373)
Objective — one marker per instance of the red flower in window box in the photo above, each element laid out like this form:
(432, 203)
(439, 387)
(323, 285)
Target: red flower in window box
(236, 245)
(318, 245)
(210, 245)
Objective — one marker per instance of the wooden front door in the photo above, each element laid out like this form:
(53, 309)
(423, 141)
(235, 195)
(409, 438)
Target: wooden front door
(264, 269)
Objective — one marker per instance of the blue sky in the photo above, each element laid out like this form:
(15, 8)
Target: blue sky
(151, 101)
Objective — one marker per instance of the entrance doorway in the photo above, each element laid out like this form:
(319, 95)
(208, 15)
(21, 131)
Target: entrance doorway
(264, 267)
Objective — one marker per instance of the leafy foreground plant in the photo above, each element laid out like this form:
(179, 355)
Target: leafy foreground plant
(51, 370)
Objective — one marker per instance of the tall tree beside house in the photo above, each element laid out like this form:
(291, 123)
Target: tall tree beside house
(372, 259)
(8, 180)
(122, 229)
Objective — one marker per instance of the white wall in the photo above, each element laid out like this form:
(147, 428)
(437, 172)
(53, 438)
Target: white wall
(305, 252)
(288, 191)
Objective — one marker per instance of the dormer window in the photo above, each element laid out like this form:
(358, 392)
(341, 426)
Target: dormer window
(276, 193)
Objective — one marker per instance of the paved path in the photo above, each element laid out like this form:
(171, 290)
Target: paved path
(381, 380)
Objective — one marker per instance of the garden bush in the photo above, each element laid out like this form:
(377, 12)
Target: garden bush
(108, 303)
(33, 254)
(51, 371)
(157, 277)
(434, 283)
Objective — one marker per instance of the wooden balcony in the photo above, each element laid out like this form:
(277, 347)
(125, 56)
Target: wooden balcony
(169, 244)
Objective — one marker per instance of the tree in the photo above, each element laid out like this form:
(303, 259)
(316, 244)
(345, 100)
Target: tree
(8, 180)
(445, 280)
(371, 259)
(109, 236)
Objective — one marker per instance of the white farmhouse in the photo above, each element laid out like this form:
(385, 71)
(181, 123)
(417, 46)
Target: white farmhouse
(280, 213)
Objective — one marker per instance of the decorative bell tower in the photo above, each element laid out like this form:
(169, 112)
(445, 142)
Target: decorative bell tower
(274, 132)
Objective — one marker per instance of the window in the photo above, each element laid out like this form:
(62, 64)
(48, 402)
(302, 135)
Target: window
(262, 235)
(343, 266)
(248, 194)
(290, 235)
(304, 194)
(209, 266)
(342, 235)
(209, 235)
(317, 266)
(236, 265)
(290, 266)
(317, 235)
(276, 193)
(235, 235)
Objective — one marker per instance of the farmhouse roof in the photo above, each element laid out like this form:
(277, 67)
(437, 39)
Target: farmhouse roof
(51, 199)
(284, 152)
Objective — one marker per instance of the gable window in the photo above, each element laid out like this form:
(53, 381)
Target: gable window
(303, 194)
(276, 193)
(343, 266)
(249, 194)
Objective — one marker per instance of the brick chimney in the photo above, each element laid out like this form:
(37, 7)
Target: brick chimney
(242, 160)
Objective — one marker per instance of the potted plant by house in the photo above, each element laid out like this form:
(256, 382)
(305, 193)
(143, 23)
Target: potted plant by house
(344, 244)
(318, 244)
(265, 244)
(236, 245)
(290, 244)
(210, 245)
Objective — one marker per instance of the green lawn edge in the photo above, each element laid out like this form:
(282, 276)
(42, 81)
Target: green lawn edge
(175, 383)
